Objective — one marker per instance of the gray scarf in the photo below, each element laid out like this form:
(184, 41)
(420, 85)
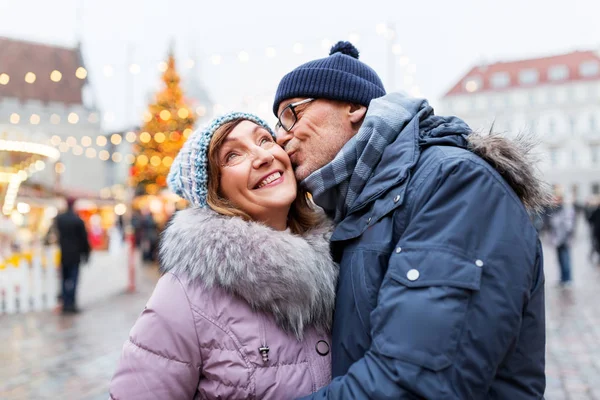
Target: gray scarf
(336, 185)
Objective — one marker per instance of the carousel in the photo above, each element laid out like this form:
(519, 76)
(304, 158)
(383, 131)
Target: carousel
(21, 155)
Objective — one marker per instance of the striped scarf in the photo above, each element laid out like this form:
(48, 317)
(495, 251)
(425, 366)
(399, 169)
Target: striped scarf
(336, 186)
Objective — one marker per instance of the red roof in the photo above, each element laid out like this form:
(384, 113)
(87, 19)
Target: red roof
(483, 74)
(20, 57)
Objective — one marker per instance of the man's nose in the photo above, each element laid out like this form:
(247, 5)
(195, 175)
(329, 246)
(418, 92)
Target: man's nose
(283, 137)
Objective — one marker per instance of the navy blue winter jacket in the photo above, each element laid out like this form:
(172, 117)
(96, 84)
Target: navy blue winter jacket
(441, 287)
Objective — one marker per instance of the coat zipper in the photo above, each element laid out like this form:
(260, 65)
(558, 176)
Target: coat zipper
(263, 349)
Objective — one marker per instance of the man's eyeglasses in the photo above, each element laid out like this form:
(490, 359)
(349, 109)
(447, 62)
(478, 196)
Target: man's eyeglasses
(288, 116)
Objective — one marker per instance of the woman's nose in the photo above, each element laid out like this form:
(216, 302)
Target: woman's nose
(261, 157)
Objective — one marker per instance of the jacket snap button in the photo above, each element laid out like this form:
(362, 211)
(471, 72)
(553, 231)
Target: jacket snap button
(412, 275)
(398, 249)
(397, 198)
(322, 347)
(479, 263)
(368, 220)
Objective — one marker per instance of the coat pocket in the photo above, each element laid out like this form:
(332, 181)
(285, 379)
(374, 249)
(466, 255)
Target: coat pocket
(423, 305)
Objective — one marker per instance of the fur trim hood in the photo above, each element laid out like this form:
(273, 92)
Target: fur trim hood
(516, 161)
(514, 158)
(292, 277)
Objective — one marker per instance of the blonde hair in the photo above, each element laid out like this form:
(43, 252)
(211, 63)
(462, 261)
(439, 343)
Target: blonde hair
(302, 216)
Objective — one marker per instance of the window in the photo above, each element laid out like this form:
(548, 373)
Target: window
(589, 68)
(570, 94)
(593, 126)
(595, 188)
(528, 76)
(500, 80)
(554, 157)
(481, 102)
(551, 127)
(532, 125)
(550, 96)
(572, 123)
(558, 73)
(595, 154)
(499, 102)
(574, 157)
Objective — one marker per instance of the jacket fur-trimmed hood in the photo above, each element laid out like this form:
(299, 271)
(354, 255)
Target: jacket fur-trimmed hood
(513, 157)
(292, 277)
(515, 160)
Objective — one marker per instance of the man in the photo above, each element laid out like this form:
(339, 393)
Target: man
(592, 214)
(562, 228)
(441, 287)
(74, 248)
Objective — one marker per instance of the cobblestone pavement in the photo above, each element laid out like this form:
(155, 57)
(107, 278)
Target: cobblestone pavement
(573, 327)
(48, 356)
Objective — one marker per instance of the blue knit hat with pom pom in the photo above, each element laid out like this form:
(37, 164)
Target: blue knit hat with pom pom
(188, 176)
(341, 76)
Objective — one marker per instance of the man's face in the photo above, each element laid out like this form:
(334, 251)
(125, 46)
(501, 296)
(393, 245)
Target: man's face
(321, 130)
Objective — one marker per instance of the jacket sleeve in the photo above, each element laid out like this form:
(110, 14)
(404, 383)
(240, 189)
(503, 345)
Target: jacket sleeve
(450, 305)
(161, 359)
(85, 242)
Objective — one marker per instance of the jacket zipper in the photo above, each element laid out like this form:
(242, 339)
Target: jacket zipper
(263, 349)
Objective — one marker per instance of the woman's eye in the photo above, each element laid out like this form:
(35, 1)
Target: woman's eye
(266, 139)
(230, 157)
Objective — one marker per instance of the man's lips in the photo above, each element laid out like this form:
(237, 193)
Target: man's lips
(292, 155)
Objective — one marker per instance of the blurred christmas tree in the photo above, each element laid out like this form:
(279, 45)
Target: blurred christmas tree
(167, 124)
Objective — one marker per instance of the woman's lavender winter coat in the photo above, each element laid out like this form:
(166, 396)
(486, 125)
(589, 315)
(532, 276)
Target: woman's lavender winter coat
(231, 288)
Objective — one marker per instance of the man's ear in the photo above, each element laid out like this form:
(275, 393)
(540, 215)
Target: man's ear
(356, 113)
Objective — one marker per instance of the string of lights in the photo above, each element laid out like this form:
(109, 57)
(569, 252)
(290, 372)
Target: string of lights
(219, 58)
(241, 56)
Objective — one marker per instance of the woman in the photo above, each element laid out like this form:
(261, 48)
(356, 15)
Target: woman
(244, 307)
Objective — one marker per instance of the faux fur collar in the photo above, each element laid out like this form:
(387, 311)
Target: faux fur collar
(516, 160)
(292, 277)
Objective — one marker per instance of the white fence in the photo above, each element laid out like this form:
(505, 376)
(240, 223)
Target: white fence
(31, 281)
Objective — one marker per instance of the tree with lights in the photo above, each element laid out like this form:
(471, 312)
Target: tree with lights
(167, 124)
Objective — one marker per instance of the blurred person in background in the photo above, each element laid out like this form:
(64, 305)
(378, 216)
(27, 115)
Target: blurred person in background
(562, 228)
(244, 307)
(74, 250)
(593, 218)
(441, 287)
(148, 235)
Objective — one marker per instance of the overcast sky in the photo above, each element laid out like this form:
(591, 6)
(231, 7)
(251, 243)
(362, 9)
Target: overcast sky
(438, 40)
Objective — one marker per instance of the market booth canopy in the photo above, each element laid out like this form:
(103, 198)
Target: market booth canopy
(22, 154)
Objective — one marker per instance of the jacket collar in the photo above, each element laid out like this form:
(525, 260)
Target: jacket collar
(292, 277)
(513, 158)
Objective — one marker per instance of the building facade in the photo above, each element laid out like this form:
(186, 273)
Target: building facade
(555, 98)
(45, 93)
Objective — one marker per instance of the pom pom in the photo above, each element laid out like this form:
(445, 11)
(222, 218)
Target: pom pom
(346, 48)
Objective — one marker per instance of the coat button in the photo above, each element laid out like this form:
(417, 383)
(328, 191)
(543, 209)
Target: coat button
(412, 275)
(479, 263)
(397, 198)
(398, 249)
(322, 347)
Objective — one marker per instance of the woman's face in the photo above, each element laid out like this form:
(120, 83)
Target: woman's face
(256, 173)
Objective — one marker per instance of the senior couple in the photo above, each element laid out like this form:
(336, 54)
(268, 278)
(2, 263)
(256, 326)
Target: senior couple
(422, 278)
